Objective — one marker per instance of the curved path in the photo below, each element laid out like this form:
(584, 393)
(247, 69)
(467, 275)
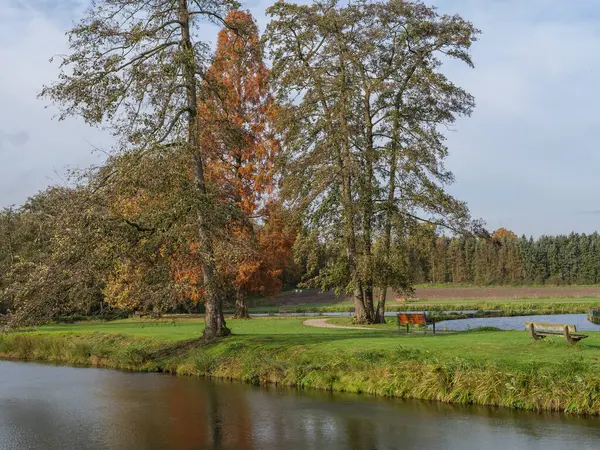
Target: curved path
(322, 323)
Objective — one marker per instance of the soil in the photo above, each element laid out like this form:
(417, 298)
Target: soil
(311, 296)
(506, 292)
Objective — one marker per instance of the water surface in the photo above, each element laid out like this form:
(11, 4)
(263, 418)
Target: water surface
(518, 323)
(47, 407)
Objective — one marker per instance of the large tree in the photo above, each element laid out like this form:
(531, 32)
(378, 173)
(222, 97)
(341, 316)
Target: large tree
(138, 66)
(236, 112)
(61, 251)
(363, 148)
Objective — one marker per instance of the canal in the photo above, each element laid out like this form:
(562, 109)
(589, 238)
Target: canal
(49, 407)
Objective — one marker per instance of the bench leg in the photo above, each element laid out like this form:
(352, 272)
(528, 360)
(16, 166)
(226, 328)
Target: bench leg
(568, 337)
(534, 335)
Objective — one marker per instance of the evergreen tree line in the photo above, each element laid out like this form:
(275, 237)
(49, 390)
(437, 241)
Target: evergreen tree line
(507, 259)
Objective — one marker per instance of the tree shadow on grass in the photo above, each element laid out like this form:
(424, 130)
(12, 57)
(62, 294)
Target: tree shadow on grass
(291, 339)
(180, 348)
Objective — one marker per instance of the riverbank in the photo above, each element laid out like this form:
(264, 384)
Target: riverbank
(477, 367)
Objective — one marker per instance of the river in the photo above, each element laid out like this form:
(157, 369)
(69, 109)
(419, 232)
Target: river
(518, 322)
(48, 407)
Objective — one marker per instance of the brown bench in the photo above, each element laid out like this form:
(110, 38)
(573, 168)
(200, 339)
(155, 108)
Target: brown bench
(409, 319)
(539, 330)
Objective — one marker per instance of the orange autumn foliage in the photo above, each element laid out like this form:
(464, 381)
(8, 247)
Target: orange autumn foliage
(503, 233)
(261, 273)
(236, 113)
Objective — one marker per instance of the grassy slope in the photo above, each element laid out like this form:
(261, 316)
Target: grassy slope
(496, 368)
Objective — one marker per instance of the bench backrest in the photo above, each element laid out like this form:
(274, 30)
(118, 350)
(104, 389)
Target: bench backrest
(554, 327)
(413, 319)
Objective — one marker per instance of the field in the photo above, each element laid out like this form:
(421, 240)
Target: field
(510, 300)
(505, 292)
(427, 294)
(485, 367)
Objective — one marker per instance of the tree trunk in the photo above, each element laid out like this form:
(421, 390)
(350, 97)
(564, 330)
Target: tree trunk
(241, 306)
(387, 235)
(361, 312)
(368, 207)
(214, 319)
(380, 311)
(345, 168)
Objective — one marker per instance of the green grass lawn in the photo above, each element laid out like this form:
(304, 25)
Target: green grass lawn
(509, 347)
(505, 368)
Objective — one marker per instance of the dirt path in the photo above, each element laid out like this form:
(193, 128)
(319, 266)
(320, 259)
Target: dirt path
(322, 323)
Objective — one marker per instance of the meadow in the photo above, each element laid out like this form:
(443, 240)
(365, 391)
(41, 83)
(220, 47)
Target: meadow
(508, 300)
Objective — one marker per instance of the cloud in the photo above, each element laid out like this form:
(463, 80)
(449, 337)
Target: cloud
(33, 147)
(51, 8)
(526, 160)
(18, 139)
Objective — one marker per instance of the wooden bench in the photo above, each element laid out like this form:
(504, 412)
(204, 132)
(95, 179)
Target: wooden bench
(540, 330)
(409, 319)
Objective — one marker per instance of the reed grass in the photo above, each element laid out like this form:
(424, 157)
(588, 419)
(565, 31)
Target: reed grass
(485, 367)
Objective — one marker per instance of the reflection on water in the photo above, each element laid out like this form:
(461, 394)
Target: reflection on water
(46, 407)
(518, 322)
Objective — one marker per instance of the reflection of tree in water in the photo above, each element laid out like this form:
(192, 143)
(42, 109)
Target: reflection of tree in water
(116, 411)
(178, 413)
(361, 434)
(229, 419)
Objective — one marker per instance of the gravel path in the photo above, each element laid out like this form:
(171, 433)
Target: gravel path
(322, 323)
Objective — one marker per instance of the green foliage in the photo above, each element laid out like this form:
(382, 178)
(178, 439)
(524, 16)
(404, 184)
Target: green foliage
(364, 99)
(204, 363)
(551, 260)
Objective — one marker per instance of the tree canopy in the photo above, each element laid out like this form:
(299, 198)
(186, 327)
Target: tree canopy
(314, 154)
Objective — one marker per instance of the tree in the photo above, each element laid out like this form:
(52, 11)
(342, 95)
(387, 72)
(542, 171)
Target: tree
(9, 242)
(363, 151)
(503, 233)
(60, 258)
(137, 65)
(236, 113)
(260, 270)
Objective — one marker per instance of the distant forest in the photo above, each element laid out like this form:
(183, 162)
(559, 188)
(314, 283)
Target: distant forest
(508, 259)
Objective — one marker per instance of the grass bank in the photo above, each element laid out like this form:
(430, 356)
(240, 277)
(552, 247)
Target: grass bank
(487, 368)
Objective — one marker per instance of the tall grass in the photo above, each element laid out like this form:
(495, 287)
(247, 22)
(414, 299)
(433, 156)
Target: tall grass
(573, 386)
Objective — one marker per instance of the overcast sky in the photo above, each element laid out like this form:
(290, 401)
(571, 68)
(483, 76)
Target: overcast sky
(527, 159)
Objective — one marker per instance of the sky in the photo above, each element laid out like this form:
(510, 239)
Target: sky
(527, 159)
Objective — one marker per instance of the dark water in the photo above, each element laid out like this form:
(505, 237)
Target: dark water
(518, 322)
(46, 407)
